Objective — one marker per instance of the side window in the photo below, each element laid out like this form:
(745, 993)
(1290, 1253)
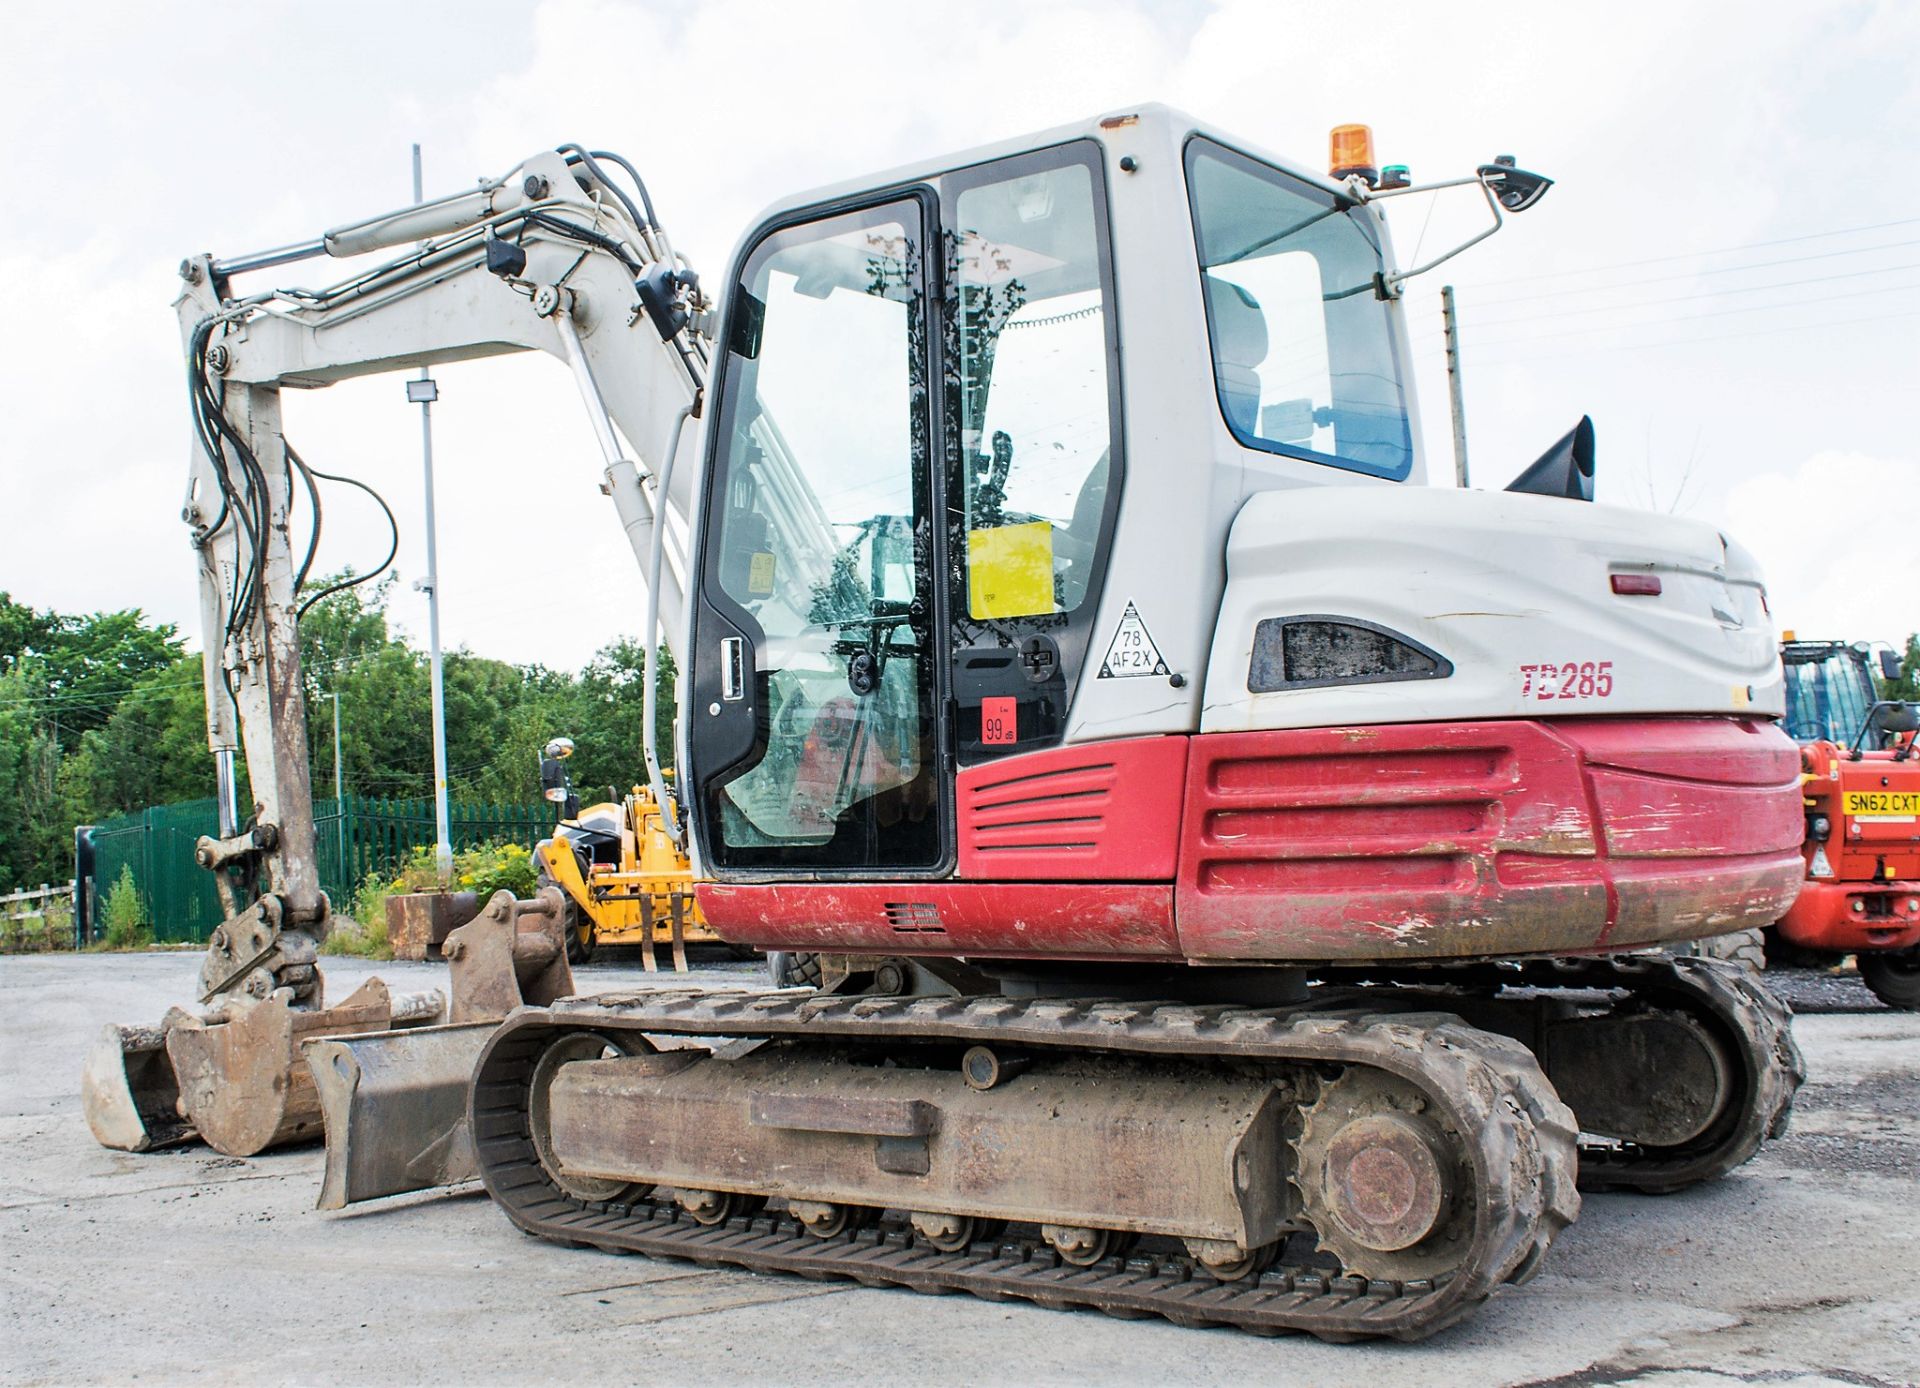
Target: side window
(1302, 346)
(1033, 425)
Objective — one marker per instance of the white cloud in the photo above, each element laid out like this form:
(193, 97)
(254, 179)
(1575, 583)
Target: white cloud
(1672, 128)
(1835, 536)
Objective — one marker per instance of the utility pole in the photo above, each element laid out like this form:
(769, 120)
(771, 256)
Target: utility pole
(423, 392)
(1451, 317)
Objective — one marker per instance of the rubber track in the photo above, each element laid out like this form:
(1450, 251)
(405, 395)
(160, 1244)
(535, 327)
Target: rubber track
(1728, 998)
(1519, 1136)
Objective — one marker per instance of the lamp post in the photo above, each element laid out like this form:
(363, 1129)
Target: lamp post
(339, 800)
(423, 392)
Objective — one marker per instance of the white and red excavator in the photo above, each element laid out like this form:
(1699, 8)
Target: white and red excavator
(1240, 860)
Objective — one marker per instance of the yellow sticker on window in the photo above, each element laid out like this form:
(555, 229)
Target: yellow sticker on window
(1010, 570)
(760, 575)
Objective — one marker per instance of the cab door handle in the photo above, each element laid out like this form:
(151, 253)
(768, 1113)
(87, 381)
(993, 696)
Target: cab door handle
(733, 668)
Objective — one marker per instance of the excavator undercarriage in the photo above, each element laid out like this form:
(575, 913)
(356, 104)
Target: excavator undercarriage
(1366, 1162)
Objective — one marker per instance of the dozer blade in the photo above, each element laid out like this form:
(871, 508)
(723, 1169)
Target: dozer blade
(128, 1091)
(395, 1104)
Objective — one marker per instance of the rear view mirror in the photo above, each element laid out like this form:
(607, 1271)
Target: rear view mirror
(1889, 665)
(1517, 189)
(1287, 421)
(553, 770)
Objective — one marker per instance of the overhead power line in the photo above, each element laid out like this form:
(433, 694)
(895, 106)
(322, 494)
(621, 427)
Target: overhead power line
(1695, 255)
(1713, 270)
(1428, 337)
(1716, 337)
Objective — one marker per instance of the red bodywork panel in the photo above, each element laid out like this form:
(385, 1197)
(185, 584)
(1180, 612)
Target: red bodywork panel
(1507, 837)
(1861, 901)
(1824, 917)
(1132, 920)
(1100, 812)
(1413, 841)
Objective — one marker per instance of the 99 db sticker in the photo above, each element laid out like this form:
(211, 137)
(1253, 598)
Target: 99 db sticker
(1582, 679)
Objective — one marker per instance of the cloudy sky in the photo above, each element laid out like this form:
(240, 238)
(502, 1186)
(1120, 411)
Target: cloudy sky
(1726, 276)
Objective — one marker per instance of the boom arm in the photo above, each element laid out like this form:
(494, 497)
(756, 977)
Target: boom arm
(554, 257)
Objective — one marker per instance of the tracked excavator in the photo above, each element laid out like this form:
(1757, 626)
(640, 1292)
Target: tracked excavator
(1266, 845)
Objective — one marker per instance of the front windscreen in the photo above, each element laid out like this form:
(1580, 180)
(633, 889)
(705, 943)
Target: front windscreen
(1303, 346)
(1828, 698)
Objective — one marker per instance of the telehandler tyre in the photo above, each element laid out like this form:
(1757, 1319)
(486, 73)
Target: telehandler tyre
(1894, 977)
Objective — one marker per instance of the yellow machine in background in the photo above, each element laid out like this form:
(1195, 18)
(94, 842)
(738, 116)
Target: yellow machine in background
(625, 880)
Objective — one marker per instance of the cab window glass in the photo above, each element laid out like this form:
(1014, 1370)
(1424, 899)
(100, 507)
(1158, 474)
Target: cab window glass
(1031, 372)
(1303, 347)
(821, 545)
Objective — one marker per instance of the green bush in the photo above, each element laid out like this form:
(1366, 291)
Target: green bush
(483, 870)
(59, 922)
(364, 934)
(496, 867)
(126, 926)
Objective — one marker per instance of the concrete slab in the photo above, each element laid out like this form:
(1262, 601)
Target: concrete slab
(184, 1267)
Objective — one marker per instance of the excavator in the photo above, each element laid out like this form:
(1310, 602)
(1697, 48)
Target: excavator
(1242, 858)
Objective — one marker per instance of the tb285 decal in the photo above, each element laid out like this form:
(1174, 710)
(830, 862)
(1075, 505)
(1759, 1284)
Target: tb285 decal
(1585, 679)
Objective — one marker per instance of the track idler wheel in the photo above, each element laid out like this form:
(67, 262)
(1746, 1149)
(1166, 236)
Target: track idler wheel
(577, 1045)
(711, 1207)
(1380, 1181)
(949, 1233)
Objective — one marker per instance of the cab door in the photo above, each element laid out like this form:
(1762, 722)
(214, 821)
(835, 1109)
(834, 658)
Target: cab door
(814, 730)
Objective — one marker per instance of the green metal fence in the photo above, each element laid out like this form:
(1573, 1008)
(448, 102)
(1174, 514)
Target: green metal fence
(156, 845)
(356, 835)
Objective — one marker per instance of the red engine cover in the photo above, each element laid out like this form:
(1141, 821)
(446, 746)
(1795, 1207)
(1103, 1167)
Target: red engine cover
(1445, 840)
(1414, 841)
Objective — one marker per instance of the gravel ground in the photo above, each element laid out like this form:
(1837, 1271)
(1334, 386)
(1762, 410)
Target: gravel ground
(1811, 991)
(185, 1267)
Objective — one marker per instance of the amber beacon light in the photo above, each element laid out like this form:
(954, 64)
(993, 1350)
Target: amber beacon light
(1351, 152)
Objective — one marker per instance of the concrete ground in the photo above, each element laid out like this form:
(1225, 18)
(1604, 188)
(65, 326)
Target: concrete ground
(183, 1266)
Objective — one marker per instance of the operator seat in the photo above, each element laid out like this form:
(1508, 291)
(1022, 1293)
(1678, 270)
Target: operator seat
(1239, 346)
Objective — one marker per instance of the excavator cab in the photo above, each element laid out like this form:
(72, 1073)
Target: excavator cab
(1040, 526)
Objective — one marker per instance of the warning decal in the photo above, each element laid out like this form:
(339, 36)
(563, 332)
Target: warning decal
(1132, 652)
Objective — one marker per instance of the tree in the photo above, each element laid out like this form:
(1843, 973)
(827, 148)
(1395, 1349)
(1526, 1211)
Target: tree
(105, 714)
(1905, 686)
(152, 751)
(85, 664)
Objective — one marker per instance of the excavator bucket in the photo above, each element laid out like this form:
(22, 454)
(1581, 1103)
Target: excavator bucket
(128, 1092)
(395, 1102)
(231, 1078)
(395, 1107)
